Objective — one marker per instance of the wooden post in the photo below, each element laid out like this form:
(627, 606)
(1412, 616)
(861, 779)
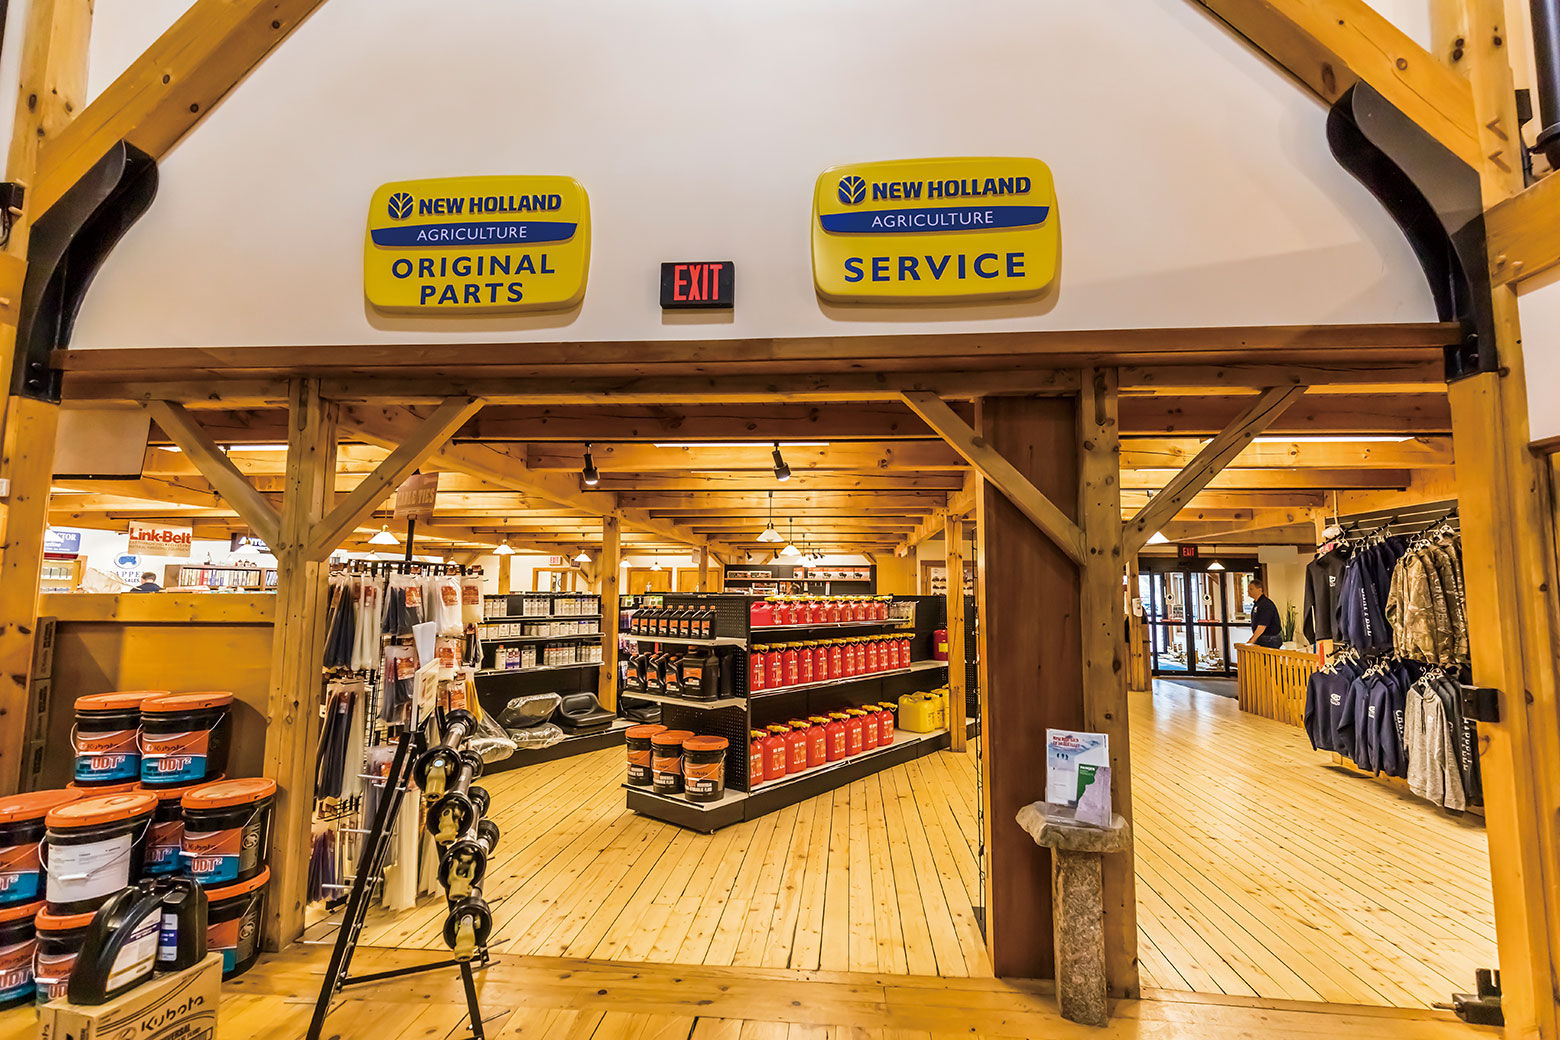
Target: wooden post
(1104, 650)
(297, 656)
(608, 565)
(1031, 667)
(53, 87)
(704, 565)
(953, 534)
(506, 583)
(1140, 675)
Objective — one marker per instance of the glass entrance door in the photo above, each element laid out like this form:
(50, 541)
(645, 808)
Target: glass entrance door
(1194, 619)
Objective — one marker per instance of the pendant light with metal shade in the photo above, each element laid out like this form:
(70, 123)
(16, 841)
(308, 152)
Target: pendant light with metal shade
(1215, 566)
(1158, 538)
(384, 537)
(582, 557)
(503, 550)
(790, 551)
(769, 533)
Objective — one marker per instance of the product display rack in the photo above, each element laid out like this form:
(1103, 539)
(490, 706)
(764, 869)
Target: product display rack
(736, 714)
(496, 686)
(788, 579)
(213, 576)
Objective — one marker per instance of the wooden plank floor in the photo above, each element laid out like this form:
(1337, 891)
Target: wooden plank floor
(566, 999)
(1262, 872)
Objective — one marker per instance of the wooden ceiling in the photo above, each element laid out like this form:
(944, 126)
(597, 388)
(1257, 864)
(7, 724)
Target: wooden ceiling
(865, 478)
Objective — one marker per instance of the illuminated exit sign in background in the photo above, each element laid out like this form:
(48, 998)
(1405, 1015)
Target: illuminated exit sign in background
(698, 283)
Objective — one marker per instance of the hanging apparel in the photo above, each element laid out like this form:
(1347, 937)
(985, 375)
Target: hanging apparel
(1322, 578)
(1324, 694)
(1425, 605)
(1434, 766)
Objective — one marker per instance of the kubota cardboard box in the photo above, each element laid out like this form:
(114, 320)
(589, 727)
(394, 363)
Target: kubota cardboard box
(180, 1006)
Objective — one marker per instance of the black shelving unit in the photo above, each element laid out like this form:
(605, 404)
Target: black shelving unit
(740, 711)
(798, 579)
(497, 686)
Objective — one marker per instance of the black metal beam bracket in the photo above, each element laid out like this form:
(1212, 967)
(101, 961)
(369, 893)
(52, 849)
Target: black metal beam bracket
(1435, 198)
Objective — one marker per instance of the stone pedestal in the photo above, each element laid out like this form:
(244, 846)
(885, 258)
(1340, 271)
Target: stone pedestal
(1077, 906)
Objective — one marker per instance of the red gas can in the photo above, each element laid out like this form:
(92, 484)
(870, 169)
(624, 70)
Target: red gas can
(831, 612)
(758, 669)
(835, 735)
(940, 645)
(782, 609)
(761, 613)
(869, 729)
(859, 649)
(854, 738)
(804, 662)
(796, 747)
(776, 669)
(817, 741)
(775, 753)
(820, 653)
(755, 758)
(872, 656)
(791, 659)
(885, 717)
(836, 659)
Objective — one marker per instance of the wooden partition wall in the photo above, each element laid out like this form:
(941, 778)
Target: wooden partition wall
(1271, 683)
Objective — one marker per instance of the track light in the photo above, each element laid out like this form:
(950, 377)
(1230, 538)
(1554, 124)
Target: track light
(384, 537)
(782, 471)
(503, 550)
(589, 474)
(770, 534)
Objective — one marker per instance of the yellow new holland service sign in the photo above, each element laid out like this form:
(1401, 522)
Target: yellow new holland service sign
(934, 230)
(477, 245)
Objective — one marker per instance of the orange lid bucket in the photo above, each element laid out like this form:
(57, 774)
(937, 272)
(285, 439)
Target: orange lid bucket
(188, 701)
(223, 794)
(121, 700)
(95, 812)
(35, 805)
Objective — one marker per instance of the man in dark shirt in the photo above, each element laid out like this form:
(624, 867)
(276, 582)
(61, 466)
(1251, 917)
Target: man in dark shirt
(1266, 628)
(148, 583)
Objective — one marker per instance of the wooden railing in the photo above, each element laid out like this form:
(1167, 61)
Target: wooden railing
(1272, 682)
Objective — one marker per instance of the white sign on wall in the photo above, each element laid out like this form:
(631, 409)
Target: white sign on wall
(160, 540)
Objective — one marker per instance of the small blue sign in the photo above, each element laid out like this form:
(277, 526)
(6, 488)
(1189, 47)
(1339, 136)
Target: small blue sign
(60, 541)
(127, 560)
(445, 236)
(949, 218)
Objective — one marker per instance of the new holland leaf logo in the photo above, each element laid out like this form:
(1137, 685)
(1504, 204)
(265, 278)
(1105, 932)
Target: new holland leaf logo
(400, 205)
(852, 190)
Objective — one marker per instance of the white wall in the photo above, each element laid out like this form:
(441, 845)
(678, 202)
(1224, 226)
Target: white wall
(1539, 312)
(1194, 182)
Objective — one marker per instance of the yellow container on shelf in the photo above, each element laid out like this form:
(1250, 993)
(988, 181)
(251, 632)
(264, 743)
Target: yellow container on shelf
(918, 713)
(940, 695)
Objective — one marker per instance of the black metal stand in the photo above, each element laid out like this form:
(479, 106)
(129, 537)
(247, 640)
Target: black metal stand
(370, 868)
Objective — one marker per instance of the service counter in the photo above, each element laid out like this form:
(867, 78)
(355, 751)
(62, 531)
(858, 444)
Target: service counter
(178, 641)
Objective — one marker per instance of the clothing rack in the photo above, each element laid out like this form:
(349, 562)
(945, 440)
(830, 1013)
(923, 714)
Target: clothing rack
(1405, 520)
(377, 567)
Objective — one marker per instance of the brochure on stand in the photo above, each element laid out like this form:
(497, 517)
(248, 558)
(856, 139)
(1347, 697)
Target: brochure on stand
(1077, 776)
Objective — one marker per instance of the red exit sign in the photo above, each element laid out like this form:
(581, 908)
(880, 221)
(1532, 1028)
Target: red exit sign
(1187, 552)
(699, 283)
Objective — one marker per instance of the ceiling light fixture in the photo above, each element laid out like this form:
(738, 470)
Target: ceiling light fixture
(589, 474)
(503, 550)
(1158, 538)
(769, 533)
(384, 537)
(790, 551)
(1215, 566)
(655, 565)
(782, 471)
(583, 557)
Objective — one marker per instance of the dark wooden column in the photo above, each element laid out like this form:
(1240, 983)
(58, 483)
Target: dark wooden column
(1031, 662)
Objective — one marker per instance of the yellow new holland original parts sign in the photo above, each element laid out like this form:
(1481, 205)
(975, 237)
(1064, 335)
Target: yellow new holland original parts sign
(489, 245)
(934, 230)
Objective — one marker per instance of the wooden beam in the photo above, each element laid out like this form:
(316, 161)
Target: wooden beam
(935, 523)
(169, 88)
(1105, 651)
(1175, 452)
(1330, 44)
(292, 730)
(411, 453)
(999, 472)
(608, 565)
(1336, 414)
(1202, 469)
(1524, 233)
(1031, 672)
(857, 456)
(215, 466)
(958, 692)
